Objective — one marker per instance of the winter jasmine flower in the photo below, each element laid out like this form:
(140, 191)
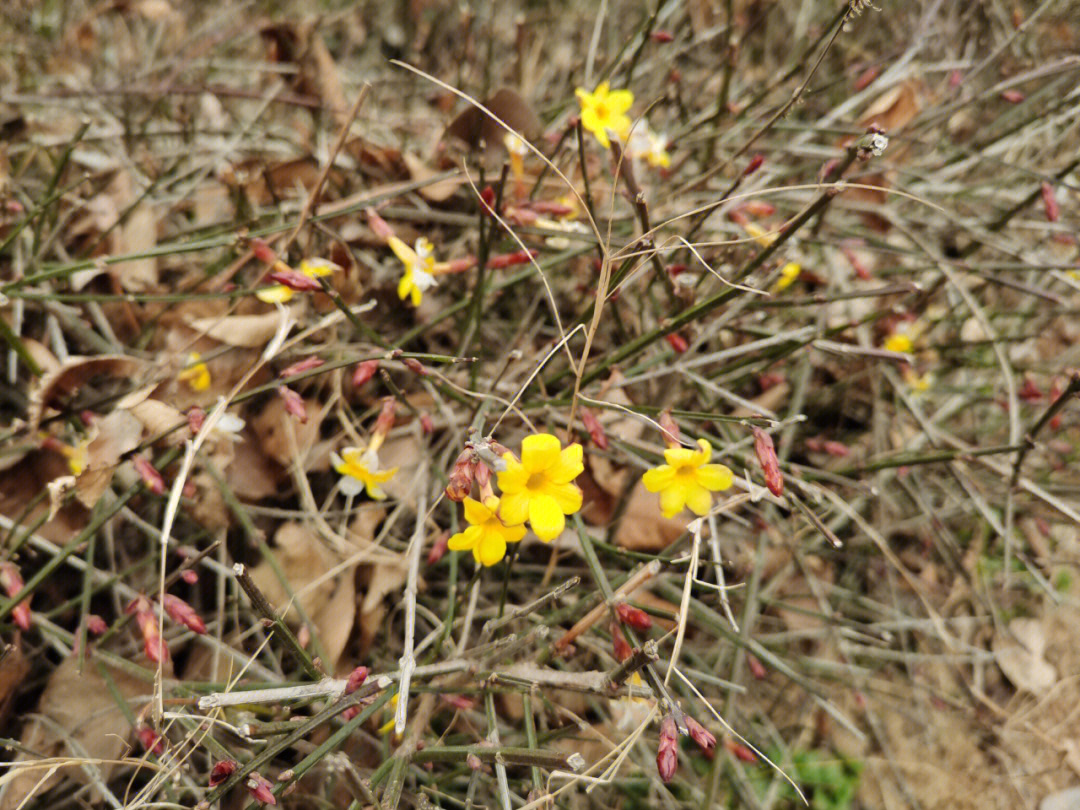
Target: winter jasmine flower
(687, 479)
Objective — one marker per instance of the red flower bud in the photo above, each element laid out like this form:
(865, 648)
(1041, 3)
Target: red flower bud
(1050, 203)
(459, 265)
(427, 424)
(770, 379)
(596, 430)
(837, 449)
(95, 625)
(438, 548)
(459, 702)
(461, 476)
(189, 575)
(757, 669)
(12, 582)
(759, 208)
(671, 430)
(183, 613)
(385, 420)
(551, 208)
(356, 679)
(263, 252)
(755, 163)
(301, 366)
(294, 280)
(364, 372)
(667, 752)
(487, 200)
(473, 761)
(622, 646)
(150, 740)
(148, 473)
(378, 225)
(740, 751)
(415, 366)
(1012, 96)
(1029, 391)
(153, 644)
(866, 77)
(770, 465)
(222, 771)
(294, 403)
(195, 418)
(632, 616)
(510, 259)
(699, 734)
(260, 789)
(662, 36)
(677, 342)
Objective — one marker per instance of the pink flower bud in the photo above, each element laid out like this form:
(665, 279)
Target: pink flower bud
(385, 420)
(662, 36)
(263, 252)
(596, 430)
(671, 430)
(759, 208)
(153, 644)
(148, 473)
(294, 403)
(294, 280)
(303, 636)
(150, 740)
(427, 424)
(551, 208)
(699, 734)
(667, 752)
(511, 259)
(196, 416)
(473, 761)
(183, 613)
(770, 464)
(459, 702)
(677, 342)
(378, 225)
(260, 788)
(438, 548)
(95, 625)
(301, 366)
(222, 770)
(364, 372)
(838, 449)
(12, 582)
(632, 616)
(483, 474)
(356, 679)
(866, 78)
(189, 575)
(755, 163)
(621, 645)
(415, 366)
(740, 751)
(461, 476)
(487, 200)
(1012, 96)
(1050, 203)
(757, 669)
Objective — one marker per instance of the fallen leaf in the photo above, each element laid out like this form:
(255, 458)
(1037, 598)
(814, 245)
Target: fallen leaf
(439, 191)
(1020, 656)
(476, 128)
(245, 331)
(158, 418)
(114, 435)
(78, 373)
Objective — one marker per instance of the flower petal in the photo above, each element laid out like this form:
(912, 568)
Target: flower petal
(592, 123)
(461, 541)
(512, 534)
(679, 456)
(405, 253)
(568, 467)
(513, 478)
(475, 512)
(405, 285)
(546, 518)
(491, 549)
(658, 477)
(351, 487)
(619, 101)
(568, 496)
(706, 452)
(277, 294)
(673, 499)
(716, 477)
(698, 499)
(514, 508)
(539, 451)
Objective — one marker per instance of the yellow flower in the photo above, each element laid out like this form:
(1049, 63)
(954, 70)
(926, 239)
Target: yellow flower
(650, 145)
(77, 456)
(539, 488)
(917, 382)
(360, 469)
(486, 536)
(195, 373)
(419, 263)
(279, 293)
(517, 150)
(788, 273)
(385, 728)
(604, 110)
(899, 342)
(687, 479)
(759, 234)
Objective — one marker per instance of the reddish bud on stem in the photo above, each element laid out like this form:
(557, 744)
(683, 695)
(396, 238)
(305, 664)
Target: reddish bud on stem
(677, 342)
(596, 430)
(95, 625)
(148, 473)
(757, 669)
(1012, 96)
(364, 372)
(699, 734)
(263, 252)
(307, 364)
(385, 420)
(755, 163)
(672, 433)
(622, 646)
(1050, 203)
(183, 613)
(667, 752)
(12, 582)
(294, 280)
(415, 366)
(438, 548)
(153, 643)
(150, 740)
(632, 616)
(294, 403)
(511, 259)
(195, 418)
(189, 575)
(222, 771)
(378, 225)
(356, 679)
(260, 789)
(740, 751)
(426, 423)
(770, 465)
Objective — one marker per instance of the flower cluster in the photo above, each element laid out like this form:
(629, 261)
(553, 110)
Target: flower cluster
(538, 489)
(604, 113)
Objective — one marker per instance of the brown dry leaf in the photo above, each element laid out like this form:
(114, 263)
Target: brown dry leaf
(157, 417)
(378, 580)
(245, 331)
(114, 435)
(21, 484)
(644, 527)
(404, 453)
(275, 429)
(476, 128)
(136, 234)
(13, 668)
(330, 605)
(439, 191)
(83, 709)
(896, 107)
(252, 475)
(1022, 659)
(328, 80)
(78, 372)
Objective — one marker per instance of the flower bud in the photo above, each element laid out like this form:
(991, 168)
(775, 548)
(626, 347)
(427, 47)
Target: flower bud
(672, 433)
(356, 679)
(699, 734)
(487, 200)
(511, 259)
(770, 464)
(753, 165)
(364, 372)
(12, 582)
(427, 424)
(222, 771)
(439, 548)
(190, 576)
(596, 430)
(95, 625)
(183, 613)
(633, 617)
(260, 789)
(153, 644)
(415, 366)
(677, 342)
(385, 420)
(294, 403)
(378, 225)
(196, 416)
(757, 669)
(150, 740)
(621, 645)
(740, 751)
(461, 476)
(662, 36)
(837, 449)
(263, 252)
(667, 752)
(1050, 203)
(473, 761)
(148, 473)
(301, 366)
(294, 280)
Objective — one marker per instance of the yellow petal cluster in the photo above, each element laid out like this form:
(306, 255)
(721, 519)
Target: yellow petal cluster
(540, 487)
(279, 293)
(487, 536)
(687, 480)
(419, 263)
(788, 273)
(604, 110)
(359, 469)
(195, 373)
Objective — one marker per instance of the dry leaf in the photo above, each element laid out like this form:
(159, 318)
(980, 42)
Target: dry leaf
(476, 128)
(275, 429)
(245, 331)
(13, 668)
(77, 373)
(1021, 659)
(83, 708)
(158, 417)
(330, 604)
(434, 192)
(895, 108)
(136, 234)
(114, 435)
